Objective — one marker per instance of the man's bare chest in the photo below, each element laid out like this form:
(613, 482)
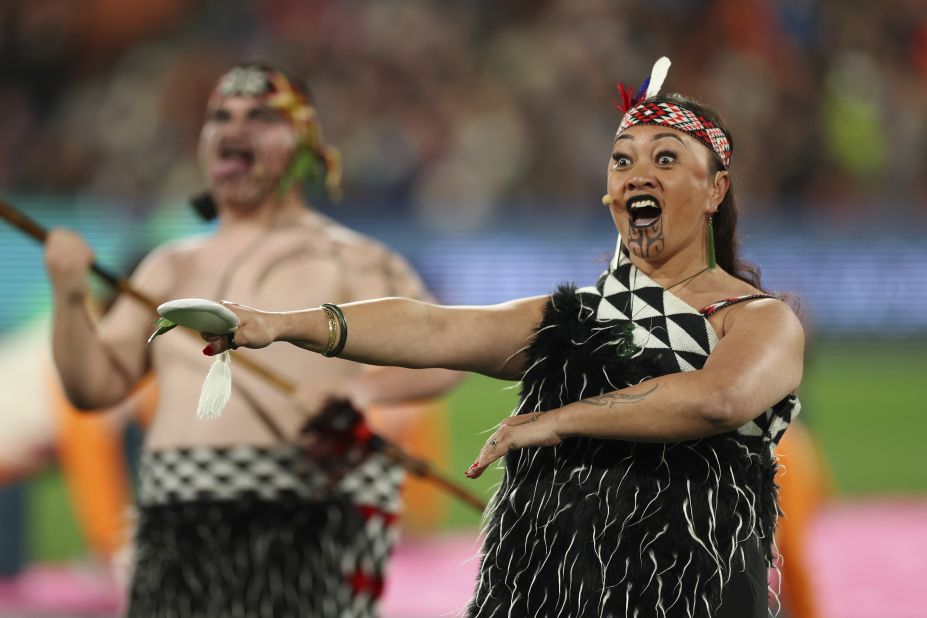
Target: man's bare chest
(273, 275)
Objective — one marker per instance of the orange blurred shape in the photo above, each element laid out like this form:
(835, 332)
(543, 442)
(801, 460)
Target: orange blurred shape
(804, 486)
(92, 459)
(421, 429)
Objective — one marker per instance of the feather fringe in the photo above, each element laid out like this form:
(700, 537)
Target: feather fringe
(616, 528)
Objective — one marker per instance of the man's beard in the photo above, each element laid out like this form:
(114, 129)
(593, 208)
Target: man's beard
(245, 193)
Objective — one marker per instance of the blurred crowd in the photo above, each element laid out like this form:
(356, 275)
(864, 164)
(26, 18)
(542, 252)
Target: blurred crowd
(454, 109)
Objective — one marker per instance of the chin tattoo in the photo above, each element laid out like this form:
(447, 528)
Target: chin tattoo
(647, 242)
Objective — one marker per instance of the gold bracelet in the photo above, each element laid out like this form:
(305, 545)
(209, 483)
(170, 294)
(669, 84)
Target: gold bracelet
(342, 330)
(332, 330)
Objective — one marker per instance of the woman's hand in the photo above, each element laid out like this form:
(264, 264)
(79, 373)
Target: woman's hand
(515, 432)
(256, 329)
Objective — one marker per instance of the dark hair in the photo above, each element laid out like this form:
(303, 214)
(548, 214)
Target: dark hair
(724, 221)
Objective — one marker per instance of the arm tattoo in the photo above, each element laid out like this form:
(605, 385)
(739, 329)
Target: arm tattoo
(533, 419)
(609, 400)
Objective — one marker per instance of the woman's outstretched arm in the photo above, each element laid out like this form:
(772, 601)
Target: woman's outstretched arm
(405, 333)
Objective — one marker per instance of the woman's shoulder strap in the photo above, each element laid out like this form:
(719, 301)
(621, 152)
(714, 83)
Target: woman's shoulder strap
(727, 302)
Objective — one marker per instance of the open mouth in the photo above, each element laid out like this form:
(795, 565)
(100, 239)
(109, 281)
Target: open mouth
(235, 158)
(643, 210)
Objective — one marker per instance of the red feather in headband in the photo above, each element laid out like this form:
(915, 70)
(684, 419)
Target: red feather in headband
(627, 100)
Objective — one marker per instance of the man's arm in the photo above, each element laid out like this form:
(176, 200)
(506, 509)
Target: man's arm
(393, 385)
(98, 363)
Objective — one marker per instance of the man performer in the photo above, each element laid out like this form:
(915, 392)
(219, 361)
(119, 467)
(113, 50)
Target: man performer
(233, 518)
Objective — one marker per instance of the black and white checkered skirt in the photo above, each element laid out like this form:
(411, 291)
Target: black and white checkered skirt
(255, 532)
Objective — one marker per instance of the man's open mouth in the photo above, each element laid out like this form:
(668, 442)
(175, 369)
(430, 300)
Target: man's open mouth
(643, 210)
(235, 158)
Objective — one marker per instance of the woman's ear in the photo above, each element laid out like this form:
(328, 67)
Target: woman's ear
(720, 185)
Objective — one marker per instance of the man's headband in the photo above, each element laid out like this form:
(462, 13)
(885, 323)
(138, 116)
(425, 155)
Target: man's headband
(276, 90)
(641, 110)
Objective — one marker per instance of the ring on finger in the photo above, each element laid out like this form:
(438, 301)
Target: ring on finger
(231, 341)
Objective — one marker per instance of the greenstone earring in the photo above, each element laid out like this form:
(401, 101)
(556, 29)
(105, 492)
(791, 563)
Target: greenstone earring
(712, 261)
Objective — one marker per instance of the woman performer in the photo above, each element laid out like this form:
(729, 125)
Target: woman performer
(639, 464)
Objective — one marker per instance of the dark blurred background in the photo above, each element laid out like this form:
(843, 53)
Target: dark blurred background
(475, 136)
(487, 103)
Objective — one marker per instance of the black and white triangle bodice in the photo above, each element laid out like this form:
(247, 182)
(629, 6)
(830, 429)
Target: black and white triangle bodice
(616, 528)
(670, 332)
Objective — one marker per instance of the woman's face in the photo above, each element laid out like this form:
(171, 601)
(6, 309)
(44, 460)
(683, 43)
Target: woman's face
(662, 188)
(245, 149)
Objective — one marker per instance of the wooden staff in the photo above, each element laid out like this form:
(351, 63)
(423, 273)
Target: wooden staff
(415, 465)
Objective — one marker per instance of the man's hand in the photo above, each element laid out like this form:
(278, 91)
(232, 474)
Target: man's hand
(67, 259)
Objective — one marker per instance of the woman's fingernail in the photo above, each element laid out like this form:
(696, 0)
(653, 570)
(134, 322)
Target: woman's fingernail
(208, 350)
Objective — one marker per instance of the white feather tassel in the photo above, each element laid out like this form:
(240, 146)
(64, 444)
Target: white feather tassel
(657, 76)
(617, 257)
(217, 388)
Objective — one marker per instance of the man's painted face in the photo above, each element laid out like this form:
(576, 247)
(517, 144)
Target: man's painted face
(662, 189)
(246, 147)
(261, 135)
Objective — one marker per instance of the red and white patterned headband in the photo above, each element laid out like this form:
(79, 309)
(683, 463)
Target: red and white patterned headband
(640, 110)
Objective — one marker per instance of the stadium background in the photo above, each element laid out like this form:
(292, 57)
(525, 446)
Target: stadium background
(475, 136)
